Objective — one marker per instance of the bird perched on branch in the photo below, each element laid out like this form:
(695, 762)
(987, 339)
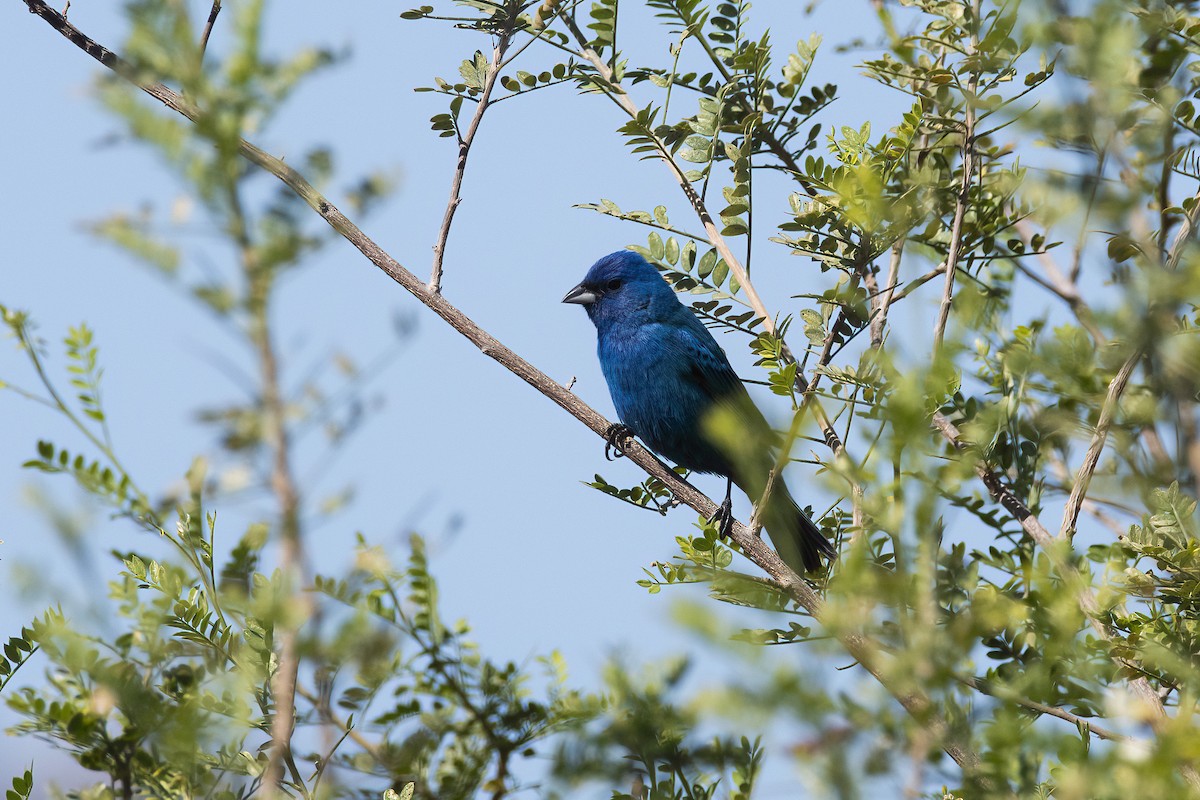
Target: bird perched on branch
(673, 387)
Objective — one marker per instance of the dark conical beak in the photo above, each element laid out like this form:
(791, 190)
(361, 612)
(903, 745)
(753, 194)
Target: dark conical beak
(582, 296)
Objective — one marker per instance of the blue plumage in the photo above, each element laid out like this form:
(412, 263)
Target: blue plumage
(674, 388)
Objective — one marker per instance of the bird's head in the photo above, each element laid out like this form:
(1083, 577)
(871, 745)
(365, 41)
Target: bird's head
(622, 287)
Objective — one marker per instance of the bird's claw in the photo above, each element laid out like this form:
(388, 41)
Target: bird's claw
(613, 437)
(723, 517)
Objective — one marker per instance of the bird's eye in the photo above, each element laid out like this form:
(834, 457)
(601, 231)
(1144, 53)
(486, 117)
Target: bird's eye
(614, 284)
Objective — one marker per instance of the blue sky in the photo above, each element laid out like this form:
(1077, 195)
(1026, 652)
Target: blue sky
(459, 450)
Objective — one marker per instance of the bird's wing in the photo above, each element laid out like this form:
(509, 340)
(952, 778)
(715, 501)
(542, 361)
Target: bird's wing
(707, 367)
(709, 371)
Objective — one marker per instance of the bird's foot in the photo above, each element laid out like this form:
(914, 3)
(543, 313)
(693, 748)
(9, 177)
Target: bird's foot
(613, 437)
(723, 517)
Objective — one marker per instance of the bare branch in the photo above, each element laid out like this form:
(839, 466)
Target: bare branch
(1092, 457)
(464, 150)
(1004, 693)
(208, 26)
(883, 302)
(1060, 285)
(960, 204)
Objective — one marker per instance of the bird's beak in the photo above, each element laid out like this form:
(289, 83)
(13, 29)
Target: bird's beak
(582, 296)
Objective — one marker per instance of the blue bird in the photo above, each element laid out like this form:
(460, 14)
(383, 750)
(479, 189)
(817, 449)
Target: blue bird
(673, 387)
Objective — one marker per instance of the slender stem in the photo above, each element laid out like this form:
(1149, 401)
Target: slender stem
(879, 318)
(142, 514)
(329, 715)
(960, 205)
(1092, 457)
(1081, 240)
(1184, 234)
(464, 150)
(208, 26)
(291, 555)
(1164, 187)
(1002, 692)
(260, 283)
(14, 666)
(768, 135)
(1060, 285)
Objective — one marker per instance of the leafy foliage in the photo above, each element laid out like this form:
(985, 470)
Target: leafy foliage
(22, 786)
(1015, 477)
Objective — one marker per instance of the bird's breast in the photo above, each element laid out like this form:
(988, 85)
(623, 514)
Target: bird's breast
(651, 388)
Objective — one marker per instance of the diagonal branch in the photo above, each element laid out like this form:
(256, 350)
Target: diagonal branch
(1092, 457)
(1116, 387)
(863, 649)
(1058, 284)
(1002, 692)
(208, 26)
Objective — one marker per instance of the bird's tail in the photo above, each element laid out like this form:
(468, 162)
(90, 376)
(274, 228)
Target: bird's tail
(798, 541)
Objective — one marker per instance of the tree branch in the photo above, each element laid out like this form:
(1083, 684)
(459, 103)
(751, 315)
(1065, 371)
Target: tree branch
(208, 26)
(1059, 285)
(464, 150)
(954, 252)
(260, 282)
(329, 715)
(1001, 692)
(1092, 457)
(883, 302)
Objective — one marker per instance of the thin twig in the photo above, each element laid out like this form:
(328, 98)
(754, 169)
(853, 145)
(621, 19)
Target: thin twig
(208, 26)
(1081, 240)
(766, 135)
(464, 150)
(1002, 692)
(1164, 188)
(879, 318)
(861, 648)
(1092, 457)
(283, 486)
(964, 191)
(329, 715)
(1156, 447)
(1186, 228)
(1092, 506)
(760, 505)
(917, 283)
(1059, 284)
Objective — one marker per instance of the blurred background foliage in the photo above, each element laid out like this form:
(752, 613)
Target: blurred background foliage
(1048, 150)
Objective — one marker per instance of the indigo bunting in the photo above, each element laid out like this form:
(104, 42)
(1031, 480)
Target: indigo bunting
(673, 387)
